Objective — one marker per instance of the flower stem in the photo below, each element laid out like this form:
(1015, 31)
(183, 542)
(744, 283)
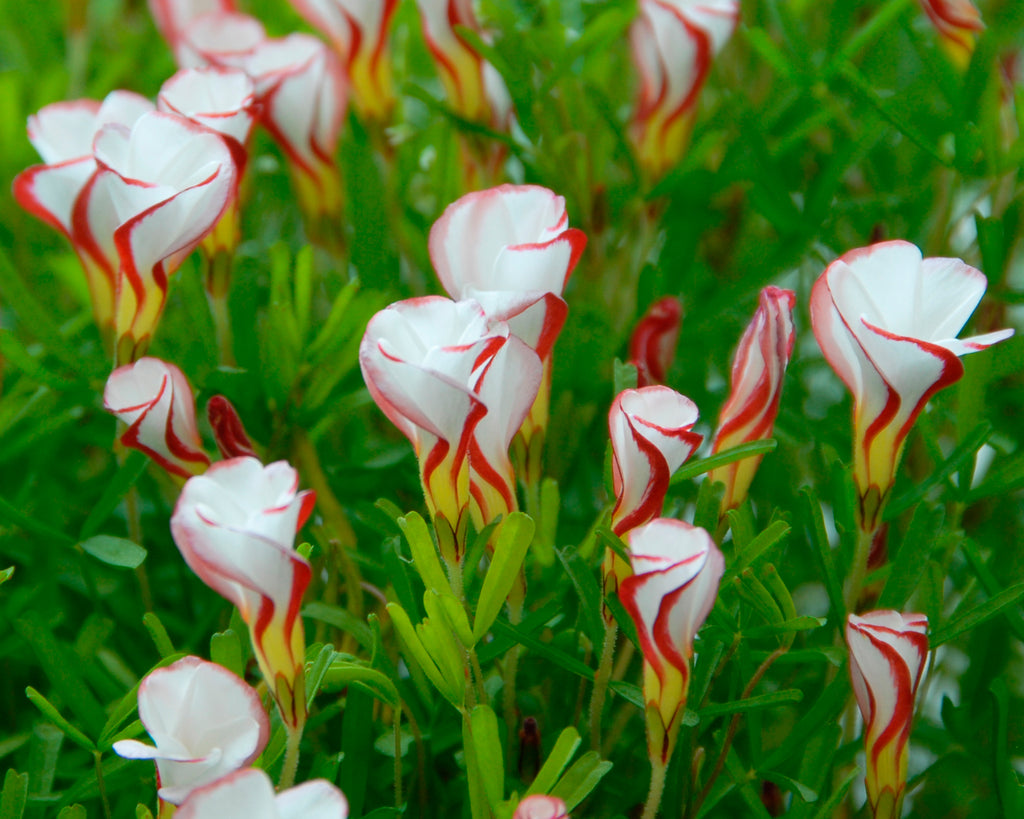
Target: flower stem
(601, 680)
(291, 758)
(658, 770)
(858, 569)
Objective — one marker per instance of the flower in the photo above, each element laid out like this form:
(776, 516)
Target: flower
(249, 794)
(887, 320)
(511, 249)
(62, 192)
(673, 43)
(235, 526)
(222, 38)
(676, 572)
(958, 23)
(539, 806)
(154, 399)
(887, 658)
(228, 431)
(358, 31)
(205, 721)
(173, 17)
(757, 372)
(169, 180)
(426, 362)
(652, 346)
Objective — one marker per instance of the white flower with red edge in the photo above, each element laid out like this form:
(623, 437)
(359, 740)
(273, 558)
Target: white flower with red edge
(673, 43)
(173, 17)
(676, 572)
(888, 652)
(205, 721)
(153, 398)
(757, 372)
(358, 31)
(250, 794)
(887, 321)
(652, 347)
(228, 430)
(62, 192)
(540, 806)
(235, 526)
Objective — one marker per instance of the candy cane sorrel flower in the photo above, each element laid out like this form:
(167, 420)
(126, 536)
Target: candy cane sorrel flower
(652, 347)
(358, 31)
(62, 192)
(958, 23)
(205, 721)
(249, 794)
(887, 321)
(673, 43)
(887, 658)
(235, 526)
(676, 571)
(173, 17)
(511, 249)
(539, 806)
(154, 399)
(757, 372)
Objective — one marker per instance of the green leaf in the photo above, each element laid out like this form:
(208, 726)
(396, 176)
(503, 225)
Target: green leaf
(356, 739)
(73, 812)
(514, 536)
(770, 700)
(424, 553)
(329, 329)
(977, 615)
(341, 619)
(581, 779)
(114, 551)
(342, 673)
(158, 634)
(790, 784)
(830, 806)
(585, 582)
(22, 521)
(909, 564)
(544, 650)
(50, 712)
(625, 376)
(226, 650)
(565, 746)
(417, 652)
(989, 583)
(6, 574)
(487, 744)
(737, 453)
(803, 623)
(822, 550)
(770, 537)
(317, 671)
(826, 709)
(14, 796)
(125, 478)
(630, 692)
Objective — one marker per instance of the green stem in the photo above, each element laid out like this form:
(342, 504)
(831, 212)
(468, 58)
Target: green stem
(291, 758)
(658, 771)
(398, 758)
(222, 325)
(859, 569)
(601, 680)
(100, 784)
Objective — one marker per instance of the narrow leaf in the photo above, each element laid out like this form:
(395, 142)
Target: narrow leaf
(50, 712)
(565, 746)
(514, 538)
(977, 615)
(114, 551)
(487, 743)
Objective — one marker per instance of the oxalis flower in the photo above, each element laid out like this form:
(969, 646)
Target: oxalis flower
(958, 23)
(652, 347)
(757, 372)
(235, 526)
(676, 572)
(205, 721)
(673, 43)
(173, 17)
(436, 367)
(250, 794)
(511, 249)
(539, 806)
(154, 399)
(358, 31)
(887, 320)
(888, 651)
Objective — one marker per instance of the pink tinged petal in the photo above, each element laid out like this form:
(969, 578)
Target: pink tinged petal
(317, 799)
(652, 436)
(541, 807)
(652, 347)
(154, 399)
(172, 17)
(250, 794)
(222, 99)
(222, 38)
(228, 430)
(205, 721)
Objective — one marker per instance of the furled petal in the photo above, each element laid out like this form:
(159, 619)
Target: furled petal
(652, 347)
(887, 658)
(250, 794)
(235, 526)
(228, 430)
(154, 399)
(222, 99)
(886, 321)
(757, 372)
(673, 43)
(222, 38)
(205, 721)
(539, 806)
(652, 436)
(172, 17)
(958, 23)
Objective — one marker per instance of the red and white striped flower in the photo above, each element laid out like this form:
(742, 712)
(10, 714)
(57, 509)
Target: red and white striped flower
(511, 249)
(426, 362)
(173, 17)
(235, 526)
(169, 180)
(676, 572)
(62, 192)
(539, 806)
(757, 372)
(228, 431)
(888, 651)
(155, 401)
(887, 321)
(475, 90)
(673, 43)
(205, 721)
(652, 347)
(358, 31)
(249, 794)
(958, 23)
(221, 38)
